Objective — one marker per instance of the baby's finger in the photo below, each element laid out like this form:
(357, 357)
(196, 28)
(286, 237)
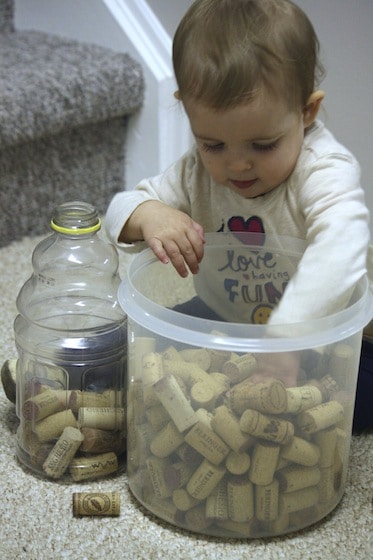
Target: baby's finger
(156, 246)
(199, 229)
(197, 240)
(178, 257)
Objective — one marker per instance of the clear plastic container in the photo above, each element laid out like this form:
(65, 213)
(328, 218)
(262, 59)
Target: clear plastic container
(71, 337)
(214, 445)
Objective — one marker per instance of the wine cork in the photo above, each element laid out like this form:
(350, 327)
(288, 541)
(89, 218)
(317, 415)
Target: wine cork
(218, 358)
(62, 453)
(156, 468)
(298, 500)
(282, 462)
(207, 443)
(343, 365)
(267, 397)
(166, 441)
(52, 426)
(220, 382)
(100, 441)
(183, 500)
(199, 356)
(140, 346)
(157, 416)
(189, 455)
(177, 474)
(8, 379)
(204, 480)
(42, 405)
(196, 520)
(102, 418)
(263, 463)
(115, 397)
(136, 404)
(302, 398)
(329, 386)
(171, 354)
(227, 426)
(139, 437)
(327, 441)
(317, 383)
(190, 373)
(240, 497)
(152, 368)
(96, 503)
(88, 468)
(320, 417)
(202, 395)
(347, 400)
(150, 396)
(327, 484)
(342, 444)
(301, 452)
(39, 454)
(294, 478)
(279, 525)
(166, 509)
(266, 501)
(64, 396)
(217, 502)
(204, 416)
(175, 402)
(265, 427)
(307, 516)
(240, 368)
(237, 463)
(88, 399)
(242, 530)
(141, 483)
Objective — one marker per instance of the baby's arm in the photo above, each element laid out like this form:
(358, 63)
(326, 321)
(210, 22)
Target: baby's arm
(337, 237)
(171, 234)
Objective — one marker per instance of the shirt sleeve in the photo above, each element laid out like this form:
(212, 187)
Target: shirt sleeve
(337, 240)
(171, 187)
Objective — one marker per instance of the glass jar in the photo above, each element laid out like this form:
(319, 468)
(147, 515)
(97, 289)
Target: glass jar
(70, 335)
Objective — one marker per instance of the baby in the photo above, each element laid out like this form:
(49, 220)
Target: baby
(248, 74)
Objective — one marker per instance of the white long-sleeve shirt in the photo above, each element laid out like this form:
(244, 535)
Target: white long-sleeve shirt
(321, 202)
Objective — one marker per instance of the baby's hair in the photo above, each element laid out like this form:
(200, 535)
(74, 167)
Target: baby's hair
(226, 51)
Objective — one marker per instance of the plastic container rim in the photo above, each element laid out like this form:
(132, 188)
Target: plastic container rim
(199, 332)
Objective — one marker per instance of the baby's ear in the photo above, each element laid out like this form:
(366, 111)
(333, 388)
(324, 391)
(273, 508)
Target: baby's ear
(312, 107)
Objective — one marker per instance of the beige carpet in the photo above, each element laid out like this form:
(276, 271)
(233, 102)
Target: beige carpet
(36, 515)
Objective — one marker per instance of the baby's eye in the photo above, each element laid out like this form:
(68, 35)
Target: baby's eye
(212, 147)
(265, 147)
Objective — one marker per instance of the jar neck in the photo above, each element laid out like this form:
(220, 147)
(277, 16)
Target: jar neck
(76, 218)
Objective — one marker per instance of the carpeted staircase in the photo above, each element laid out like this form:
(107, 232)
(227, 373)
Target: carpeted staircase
(64, 107)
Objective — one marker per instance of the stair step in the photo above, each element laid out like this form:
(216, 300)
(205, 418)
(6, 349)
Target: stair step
(50, 83)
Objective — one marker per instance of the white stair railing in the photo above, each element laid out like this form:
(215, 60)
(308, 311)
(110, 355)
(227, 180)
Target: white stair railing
(159, 134)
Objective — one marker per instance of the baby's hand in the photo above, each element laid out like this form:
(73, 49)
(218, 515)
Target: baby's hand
(172, 235)
(279, 365)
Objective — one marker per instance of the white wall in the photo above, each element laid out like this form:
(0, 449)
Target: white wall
(170, 12)
(345, 32)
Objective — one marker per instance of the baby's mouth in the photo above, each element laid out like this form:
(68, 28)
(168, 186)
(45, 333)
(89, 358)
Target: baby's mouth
(243, 184)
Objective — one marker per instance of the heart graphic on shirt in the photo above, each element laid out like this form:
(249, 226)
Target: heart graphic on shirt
(254, 225)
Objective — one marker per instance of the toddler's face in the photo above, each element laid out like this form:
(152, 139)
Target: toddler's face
(251, 148)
